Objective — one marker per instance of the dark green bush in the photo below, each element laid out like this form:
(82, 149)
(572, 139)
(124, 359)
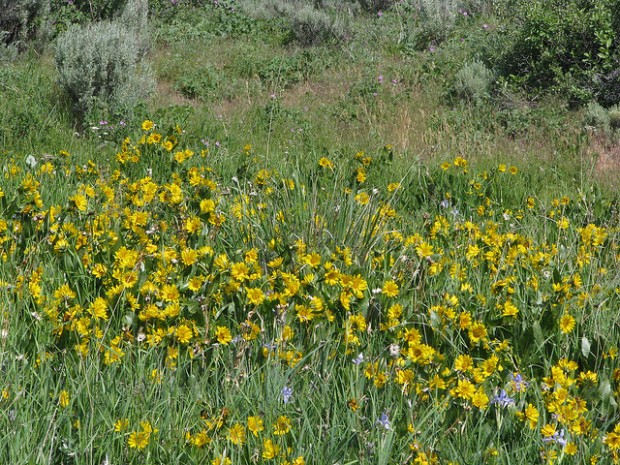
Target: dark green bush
(24, 22)
(376, 5)
(607, 88)
(564, 46)
(82, 10)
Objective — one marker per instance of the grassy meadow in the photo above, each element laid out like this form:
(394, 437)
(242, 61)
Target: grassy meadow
(330, 253)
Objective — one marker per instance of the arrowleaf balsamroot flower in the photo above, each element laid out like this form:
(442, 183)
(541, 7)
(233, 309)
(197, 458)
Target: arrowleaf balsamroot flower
(390, 289)
(326, 163)
(140, 439)
(236, 434)
(282, 425)
(567, 323)
(166, 270)
(222, 334)
(612, 439)
(270, 450)
(255, 425)
(255, 296)
(64, 399)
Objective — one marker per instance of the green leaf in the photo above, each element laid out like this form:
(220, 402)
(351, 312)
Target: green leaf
(538, 334)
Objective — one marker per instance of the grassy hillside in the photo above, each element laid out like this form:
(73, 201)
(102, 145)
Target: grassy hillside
(358, 243)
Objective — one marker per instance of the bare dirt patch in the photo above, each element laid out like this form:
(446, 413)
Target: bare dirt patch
(166, 95)
(606, 158)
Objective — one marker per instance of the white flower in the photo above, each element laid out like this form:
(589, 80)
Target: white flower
(394, 350)
(31, 161)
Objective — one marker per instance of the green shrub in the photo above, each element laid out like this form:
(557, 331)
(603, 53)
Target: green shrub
(308, 24)
(100, 66)
(596, 117)
(22, 21)
(289, 70)
(435, 21)
(200, 83)
(91, 10)
(560, 45)
(376, 5)
(614, 117)
(65, 13)
(473, 82)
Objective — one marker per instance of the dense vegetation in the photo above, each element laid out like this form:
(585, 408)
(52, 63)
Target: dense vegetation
(309, 232)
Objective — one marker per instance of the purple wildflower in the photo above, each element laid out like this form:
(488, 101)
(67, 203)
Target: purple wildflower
(503, 399)
(287, 393)
(519, 383)
(384, 421)
(558, 438)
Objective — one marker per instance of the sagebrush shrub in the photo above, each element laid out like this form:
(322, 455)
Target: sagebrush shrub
(311, 26)
(22, 21)
(100, 65)
(596, 117)
(134, 17)
(308, 24)
(614, 117)
(473, 82)
(436, 20)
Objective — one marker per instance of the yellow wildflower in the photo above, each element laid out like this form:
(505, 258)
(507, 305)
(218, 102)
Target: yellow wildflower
(222, 334)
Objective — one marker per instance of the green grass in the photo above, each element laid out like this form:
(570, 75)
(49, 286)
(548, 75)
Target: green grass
(327, 223)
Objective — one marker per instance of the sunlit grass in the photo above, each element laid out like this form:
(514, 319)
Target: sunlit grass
(303, 256)
(345, 312)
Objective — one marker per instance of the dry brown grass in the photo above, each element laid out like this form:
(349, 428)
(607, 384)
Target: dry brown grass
(404, 120)
(166, 95)
(604, 156)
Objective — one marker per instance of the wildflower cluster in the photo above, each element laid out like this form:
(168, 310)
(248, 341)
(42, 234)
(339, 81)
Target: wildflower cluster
(467, 313)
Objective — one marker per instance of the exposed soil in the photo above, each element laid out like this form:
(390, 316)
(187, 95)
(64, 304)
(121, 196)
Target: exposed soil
(606, 158)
